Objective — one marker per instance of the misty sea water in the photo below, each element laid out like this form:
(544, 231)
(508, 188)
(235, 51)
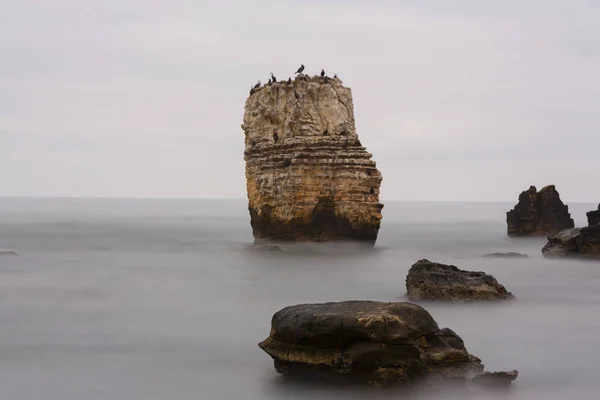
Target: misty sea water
(161, 299)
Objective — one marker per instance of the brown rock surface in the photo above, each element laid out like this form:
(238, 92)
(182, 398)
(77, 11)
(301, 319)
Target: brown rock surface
(538, 213)
(593, 217)
(308, 176)
(368, 341)
(427, 280)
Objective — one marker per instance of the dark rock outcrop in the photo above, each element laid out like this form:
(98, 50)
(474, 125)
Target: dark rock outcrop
(510, 254)
(593, 217)
(575, 242)
(428, 280)
(368, 341)
(493, 380)
(308, 177)
(538, 213)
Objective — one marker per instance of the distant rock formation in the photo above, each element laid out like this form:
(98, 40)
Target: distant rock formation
(538, 213)
(510, 254)
(308, 177)
(367, 341)
(428, 280)
(575, 242)
(593, 217)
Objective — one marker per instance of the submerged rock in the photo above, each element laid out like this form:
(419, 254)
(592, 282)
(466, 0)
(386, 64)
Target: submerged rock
(308, 177)
(428, 280)
(593, 217)
(8, 253)
(538, 213)
(501, 379)
(367, 341)
(510, 254)
(266, 247)
(575, 242)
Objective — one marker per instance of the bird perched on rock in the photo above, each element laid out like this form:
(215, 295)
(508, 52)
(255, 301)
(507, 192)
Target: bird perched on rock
(268, 83)
(252, 91)
(300, 69)
(335, 76)
(322, 72)
(273, 78)
(257, 85)
(289, 81)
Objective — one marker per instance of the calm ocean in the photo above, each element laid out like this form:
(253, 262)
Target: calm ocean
(161, 299)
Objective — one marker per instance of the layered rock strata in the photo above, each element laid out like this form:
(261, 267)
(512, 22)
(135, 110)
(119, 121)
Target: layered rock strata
(428, 280)
(593, 217)
(538, 213)
(575, 242)
(308, 176)
(367, 341)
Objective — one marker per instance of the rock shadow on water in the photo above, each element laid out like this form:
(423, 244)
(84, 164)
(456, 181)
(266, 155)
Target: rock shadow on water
(311, 249)
(326, 386)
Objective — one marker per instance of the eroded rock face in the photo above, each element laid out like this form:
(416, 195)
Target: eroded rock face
(428, 280)
(538, 213)
(368, 341)
(593, 217)
(308, 176)
(575, 242)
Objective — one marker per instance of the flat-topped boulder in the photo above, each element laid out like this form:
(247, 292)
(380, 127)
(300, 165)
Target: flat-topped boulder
(366, 341)
(593, 217)
(308, 177)
(427, 280)
(538, 213)
(575, 242)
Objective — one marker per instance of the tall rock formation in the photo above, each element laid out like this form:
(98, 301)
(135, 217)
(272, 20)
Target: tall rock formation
(593, 217)
(538, 213)
(307, 175)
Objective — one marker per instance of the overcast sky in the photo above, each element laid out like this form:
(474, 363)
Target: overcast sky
(457, 100)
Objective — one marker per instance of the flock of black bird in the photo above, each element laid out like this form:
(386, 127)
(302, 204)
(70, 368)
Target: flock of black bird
(273, 79)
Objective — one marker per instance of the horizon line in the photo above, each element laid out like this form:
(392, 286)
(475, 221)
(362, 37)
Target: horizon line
(245, 199)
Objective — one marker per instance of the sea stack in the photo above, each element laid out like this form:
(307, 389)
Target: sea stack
(593, 217)
(538, 213)
(308, 177)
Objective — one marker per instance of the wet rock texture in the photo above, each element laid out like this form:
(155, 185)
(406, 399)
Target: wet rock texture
(427, 280)
(308, 176)
(367, 341)
(593, 217)
(575, 242)
(538, 213)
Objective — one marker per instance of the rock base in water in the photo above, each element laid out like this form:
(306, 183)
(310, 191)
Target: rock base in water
(366, 341)
(538, 213)
(576, 242)
(496, 380)
(428, 280)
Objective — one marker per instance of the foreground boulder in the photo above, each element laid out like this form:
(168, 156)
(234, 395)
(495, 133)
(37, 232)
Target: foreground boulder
(428, 280)
(593, 217)
(308, 177)
(368, 341)
(575, 242)
(538, 213)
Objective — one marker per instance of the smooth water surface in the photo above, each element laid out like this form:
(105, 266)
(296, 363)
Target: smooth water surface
(161, 299)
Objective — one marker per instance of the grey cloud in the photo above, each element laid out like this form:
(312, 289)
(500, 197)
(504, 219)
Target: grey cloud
(463, 100)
